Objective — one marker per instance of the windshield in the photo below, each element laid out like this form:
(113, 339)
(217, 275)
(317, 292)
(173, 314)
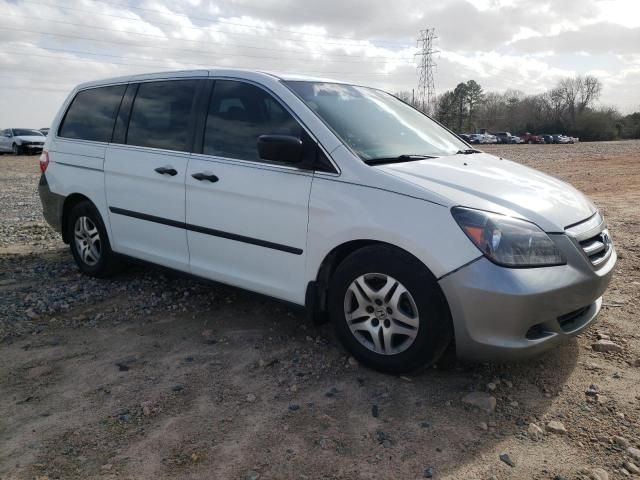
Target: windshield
(23, 131)
(375, 124)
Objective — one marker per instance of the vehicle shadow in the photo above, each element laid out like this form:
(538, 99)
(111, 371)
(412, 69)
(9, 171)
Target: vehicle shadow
(238, 383)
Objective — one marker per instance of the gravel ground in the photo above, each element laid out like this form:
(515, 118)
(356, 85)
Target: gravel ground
(155, 375)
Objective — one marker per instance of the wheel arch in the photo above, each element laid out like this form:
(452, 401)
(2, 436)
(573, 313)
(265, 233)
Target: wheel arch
(317, 290)
(70, 202)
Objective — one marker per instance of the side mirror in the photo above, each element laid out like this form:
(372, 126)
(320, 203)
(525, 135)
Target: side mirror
(280, 148)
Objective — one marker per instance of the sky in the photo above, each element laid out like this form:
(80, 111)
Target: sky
(48, 46)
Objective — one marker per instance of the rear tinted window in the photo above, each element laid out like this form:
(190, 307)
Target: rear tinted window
(160, 115)
(92, 114)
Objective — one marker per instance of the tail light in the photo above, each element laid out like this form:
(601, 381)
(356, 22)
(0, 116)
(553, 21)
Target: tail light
(44, 161)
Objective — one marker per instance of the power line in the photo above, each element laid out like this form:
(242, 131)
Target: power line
(426, 84)
(225, 22)
(159, 47)
(202, 65)
(70, 85)
(306, 12)
(354, 41)
(203, 42)
(43, 89)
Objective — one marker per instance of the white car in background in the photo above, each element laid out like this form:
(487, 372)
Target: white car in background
(561, 139)
(477, 138)
(21, 140)
(489, 138)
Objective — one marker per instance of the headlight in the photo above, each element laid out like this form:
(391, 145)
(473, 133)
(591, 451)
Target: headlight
(508, 241)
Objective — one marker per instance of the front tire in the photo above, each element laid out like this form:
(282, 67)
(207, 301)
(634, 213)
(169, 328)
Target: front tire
(17, 149)
(89, 243)
(388, 310)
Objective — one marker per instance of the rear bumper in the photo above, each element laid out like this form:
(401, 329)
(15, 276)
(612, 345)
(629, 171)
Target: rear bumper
(510, 314)
(52, 204)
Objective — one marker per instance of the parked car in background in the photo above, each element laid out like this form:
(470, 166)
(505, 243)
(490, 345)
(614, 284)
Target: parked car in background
(490, 138)
(503, 137)
(547, 138)
(531, 138)
(44, 131)
(506, 137)
(465, 136)
(560, 138)
(477, 138)
(21, 140)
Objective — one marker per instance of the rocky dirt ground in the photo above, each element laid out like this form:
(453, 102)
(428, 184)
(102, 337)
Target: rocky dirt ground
(153, 375)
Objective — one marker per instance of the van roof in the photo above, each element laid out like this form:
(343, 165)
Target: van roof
(221, 71)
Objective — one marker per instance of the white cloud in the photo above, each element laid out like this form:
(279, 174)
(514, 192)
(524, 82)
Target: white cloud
(621, 12)
(45, 50)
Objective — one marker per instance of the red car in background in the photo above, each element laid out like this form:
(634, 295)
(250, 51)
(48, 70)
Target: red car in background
(531, 138)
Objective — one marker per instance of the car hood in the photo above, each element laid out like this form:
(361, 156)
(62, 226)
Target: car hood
(489, 183)
(30, 138)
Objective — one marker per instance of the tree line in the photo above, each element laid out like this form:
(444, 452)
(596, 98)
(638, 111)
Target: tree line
(569, 108)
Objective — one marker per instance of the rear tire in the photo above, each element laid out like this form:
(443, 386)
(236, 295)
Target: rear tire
(408, 313)
(89, 243)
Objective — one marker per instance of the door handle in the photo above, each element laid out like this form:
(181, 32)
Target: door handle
(203, 176)
(166, 171)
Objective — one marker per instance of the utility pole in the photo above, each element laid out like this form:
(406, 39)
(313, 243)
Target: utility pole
(426, 65)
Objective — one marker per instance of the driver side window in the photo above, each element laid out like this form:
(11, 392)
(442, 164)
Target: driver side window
(238, 114)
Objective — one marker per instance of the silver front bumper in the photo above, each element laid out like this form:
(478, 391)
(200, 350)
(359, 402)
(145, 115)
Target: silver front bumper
(508, 314)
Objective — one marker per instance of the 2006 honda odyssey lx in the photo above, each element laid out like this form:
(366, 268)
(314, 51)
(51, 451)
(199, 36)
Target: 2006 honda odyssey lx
(334, 196)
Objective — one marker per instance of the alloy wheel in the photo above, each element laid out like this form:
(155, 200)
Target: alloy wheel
(87, 240)
(381, 313)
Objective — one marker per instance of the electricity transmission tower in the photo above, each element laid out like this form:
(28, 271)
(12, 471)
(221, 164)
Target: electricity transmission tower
(426, 65)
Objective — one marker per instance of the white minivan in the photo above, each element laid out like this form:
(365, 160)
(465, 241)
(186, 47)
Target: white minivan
(333, 196)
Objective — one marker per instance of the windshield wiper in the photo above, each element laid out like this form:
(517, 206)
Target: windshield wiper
(398, 159)
(468, 151)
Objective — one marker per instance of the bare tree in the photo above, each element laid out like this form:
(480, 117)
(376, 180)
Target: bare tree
(557, 103)
(407, 97)
(492, 112)
(590, 89)
(569, 107)
(569, 89)
(578, 93)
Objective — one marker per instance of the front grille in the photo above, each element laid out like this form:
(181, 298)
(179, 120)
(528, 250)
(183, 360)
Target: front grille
(593, 238)
(597, 248)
